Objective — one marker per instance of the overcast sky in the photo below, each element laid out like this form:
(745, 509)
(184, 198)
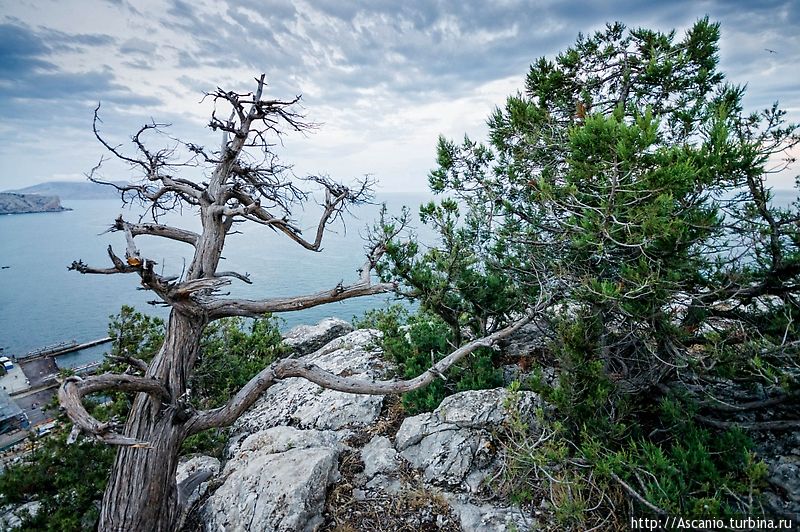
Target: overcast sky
(382, 78)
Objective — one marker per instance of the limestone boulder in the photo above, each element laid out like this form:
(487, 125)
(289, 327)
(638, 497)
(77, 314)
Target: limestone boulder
(300, 403)
(276, 480)
(379, 457)
(483, 517)
(305, 339)
(453, 444)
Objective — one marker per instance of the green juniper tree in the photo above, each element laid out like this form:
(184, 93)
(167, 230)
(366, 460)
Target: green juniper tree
(622, 193)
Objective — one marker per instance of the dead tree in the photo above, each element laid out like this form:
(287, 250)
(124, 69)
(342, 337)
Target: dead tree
(246, 183)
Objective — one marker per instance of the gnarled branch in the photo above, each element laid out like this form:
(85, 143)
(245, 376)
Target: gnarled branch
(245, 277)
(787, 424)
(337, 198)
(119, 266)
(154, 229)
(74, 389)
(222, 308)
(288, 368)
(132, 361)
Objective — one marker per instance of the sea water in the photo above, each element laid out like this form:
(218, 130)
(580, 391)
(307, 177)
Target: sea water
(43, 303)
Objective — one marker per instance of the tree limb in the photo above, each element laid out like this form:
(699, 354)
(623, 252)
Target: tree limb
(222, 308)
(245, 278)
(137, 363)
(73, 389)
(789, 424)
(636, 495)
(336, 196)
(288, 368)
(119, 266)
(153, 229)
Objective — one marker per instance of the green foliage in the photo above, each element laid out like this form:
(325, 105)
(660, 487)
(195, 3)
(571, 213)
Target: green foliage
(625, 177)
(415, 342)
(538, 465)
(135, 333)
(585, 394)
(232, 351)
(449, 280)
(692, 472)
(67, 480)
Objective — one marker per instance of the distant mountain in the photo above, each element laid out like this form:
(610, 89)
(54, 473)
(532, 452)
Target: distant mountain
(25, 203)
(71, 190)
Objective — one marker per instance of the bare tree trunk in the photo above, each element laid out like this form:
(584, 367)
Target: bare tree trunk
(142, 493)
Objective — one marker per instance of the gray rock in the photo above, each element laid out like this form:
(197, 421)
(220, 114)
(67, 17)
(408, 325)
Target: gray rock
(305, 339)
(415, 428)
(766, 303)
(297, 402)
(526, 340)
(12, 516)
(25, 203)
(280, 439)
(783, 494)
(379, 457)
(487, 518)
(192, 478)
(277, 480)
(786, 474)
(452, 444)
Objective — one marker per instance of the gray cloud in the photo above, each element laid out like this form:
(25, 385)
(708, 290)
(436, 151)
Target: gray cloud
(420, 50)
(31, 76)
(359, 61)
(20, 51)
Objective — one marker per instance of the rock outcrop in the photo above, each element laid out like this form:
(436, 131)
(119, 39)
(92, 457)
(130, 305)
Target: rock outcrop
(453, 444)
(29, 203)
(305, 339)
(781, 453)
(300, 403)
(299, 444)
(284, 451)
(276, 480)
(12, 516)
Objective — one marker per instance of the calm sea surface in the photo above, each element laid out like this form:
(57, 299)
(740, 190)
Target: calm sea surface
(42, 303)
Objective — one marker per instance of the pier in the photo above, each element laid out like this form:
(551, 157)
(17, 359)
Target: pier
(61, 349)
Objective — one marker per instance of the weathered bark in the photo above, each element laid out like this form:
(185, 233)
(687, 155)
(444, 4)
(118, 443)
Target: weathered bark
(142, 493)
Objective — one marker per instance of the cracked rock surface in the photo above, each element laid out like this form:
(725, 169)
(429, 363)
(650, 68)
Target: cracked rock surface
(303, 458)
(452, 444)
(300, 403)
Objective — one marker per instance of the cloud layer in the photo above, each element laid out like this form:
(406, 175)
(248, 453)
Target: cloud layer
(383, 78)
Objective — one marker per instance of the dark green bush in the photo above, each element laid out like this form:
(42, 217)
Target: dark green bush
(415, 341)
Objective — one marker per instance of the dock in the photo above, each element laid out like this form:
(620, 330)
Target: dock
(62, 349)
